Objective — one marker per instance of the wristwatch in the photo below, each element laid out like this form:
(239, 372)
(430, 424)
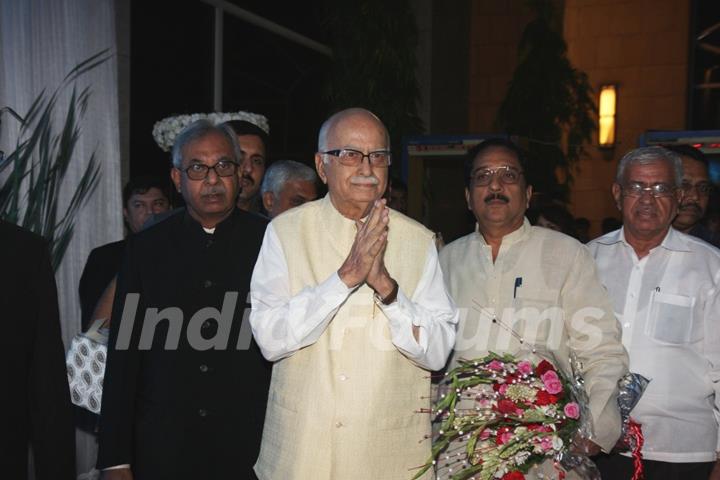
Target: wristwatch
(391, 297)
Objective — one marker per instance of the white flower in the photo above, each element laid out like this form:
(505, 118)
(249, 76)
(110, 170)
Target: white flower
(166, 130)
(521, 457)
(557, 443)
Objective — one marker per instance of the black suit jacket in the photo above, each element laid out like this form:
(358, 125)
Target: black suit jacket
(102, 265)
(191, 411)
(33, 358)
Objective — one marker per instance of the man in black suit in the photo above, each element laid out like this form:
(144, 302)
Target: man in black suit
(143, 197)
(33, 359)
(185, 389)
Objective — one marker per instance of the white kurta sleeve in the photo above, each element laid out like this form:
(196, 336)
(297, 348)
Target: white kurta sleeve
(432, 310)
(281, 323)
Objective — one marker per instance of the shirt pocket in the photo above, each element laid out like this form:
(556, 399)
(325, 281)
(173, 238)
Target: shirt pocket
(670, 318)
(536, 315)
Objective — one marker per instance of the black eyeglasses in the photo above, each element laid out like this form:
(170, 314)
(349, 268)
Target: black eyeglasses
(508, 175)
(657, 190)
(353, 158)
(199, 171)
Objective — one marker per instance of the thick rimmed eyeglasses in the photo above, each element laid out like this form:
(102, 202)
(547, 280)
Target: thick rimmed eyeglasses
(199, 171)
(657, 190)
(507, 175)
(353, 158)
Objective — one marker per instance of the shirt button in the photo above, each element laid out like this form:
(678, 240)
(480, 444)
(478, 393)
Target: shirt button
(632, 295)
(204, 368)
(626, 324)
(207, 283)
(343, 377)
(202, 413)
(338, 424)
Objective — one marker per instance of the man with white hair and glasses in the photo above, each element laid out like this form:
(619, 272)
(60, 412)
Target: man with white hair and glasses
(664, 286)
(348, 301)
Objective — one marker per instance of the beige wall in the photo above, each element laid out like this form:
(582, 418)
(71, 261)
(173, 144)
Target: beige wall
(639, 45)
(642, 47)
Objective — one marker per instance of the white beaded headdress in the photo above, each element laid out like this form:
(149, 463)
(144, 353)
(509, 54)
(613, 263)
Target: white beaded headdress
(168, 128)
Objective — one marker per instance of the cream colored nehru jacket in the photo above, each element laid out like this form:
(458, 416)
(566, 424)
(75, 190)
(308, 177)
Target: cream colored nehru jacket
(349, 380)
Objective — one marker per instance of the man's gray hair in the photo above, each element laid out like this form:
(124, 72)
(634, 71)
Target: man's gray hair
(283, 171)
(198, 130)
(647, 155)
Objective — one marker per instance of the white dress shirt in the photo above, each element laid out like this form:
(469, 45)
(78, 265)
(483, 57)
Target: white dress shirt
(669, 307)
(283, 324)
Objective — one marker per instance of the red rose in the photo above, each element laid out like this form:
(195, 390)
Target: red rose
(543, 398)
(507, 406)
(543, 367)
(514, 475)
(504, 435)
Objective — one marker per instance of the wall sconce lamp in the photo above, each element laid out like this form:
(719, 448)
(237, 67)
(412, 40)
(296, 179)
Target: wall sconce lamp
(608, 101)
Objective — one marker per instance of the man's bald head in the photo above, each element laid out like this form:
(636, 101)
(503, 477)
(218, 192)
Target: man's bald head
(347, 115)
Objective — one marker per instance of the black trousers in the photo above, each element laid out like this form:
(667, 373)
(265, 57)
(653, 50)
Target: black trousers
(618, 467)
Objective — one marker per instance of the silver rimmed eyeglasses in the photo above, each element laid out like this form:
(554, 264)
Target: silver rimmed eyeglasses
(657, 190)
(507, 175)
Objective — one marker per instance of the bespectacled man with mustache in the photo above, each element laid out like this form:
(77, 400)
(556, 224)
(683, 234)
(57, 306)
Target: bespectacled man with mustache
(348, 302)
(696, 188)
(538, 283)
(176, 408)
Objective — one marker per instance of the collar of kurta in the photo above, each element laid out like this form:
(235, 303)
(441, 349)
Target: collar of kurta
(673, 240)
(513, 237)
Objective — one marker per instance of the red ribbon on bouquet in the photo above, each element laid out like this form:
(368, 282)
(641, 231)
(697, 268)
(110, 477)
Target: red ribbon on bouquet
(635, 432)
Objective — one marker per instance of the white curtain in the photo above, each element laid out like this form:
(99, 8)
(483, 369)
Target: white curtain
(40, 42)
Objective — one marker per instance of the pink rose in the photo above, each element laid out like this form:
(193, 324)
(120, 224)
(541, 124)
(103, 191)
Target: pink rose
(495, 365)
(502, 389)
(572, 410)
(546, 443)
(552, 382)
(485, 434)
(525, 367)
(504, 435)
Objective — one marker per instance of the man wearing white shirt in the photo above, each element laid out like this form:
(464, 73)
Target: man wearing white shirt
(348, 301)
(521, 285)
(664, 287)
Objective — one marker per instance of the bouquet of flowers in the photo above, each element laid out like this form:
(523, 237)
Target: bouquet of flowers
(507, 415)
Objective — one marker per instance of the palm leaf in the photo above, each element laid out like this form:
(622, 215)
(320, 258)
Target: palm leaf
(30, 194)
